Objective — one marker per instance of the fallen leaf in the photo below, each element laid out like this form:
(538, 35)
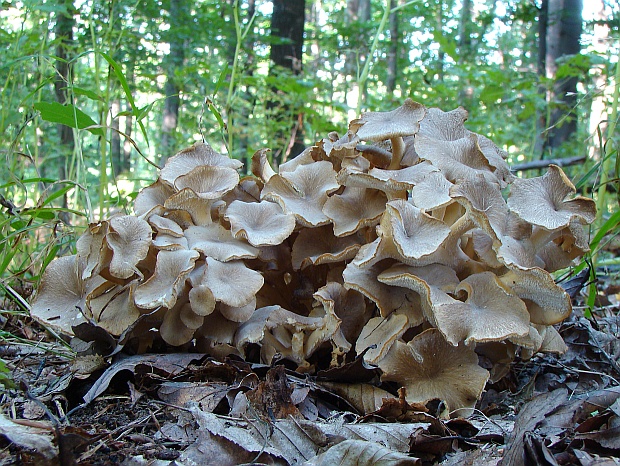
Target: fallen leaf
(361, 453)
(37, 441)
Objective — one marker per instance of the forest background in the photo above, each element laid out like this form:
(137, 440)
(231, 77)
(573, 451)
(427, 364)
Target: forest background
(96, 94)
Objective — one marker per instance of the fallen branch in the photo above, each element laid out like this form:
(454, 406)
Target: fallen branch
(535, 164)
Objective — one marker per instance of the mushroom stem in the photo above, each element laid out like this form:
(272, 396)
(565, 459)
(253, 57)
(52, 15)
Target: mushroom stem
(398, 149)
(462, 225)
(541, 236)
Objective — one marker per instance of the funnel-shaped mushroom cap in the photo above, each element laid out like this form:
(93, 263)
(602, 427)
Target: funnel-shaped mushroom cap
(303, 192)
(432, 192)
(547, 303)
(354, 209)
(197, 207)
(261, 223)
(151, 197)
(432, 282)
(348, 305)
(260, 165)
(430, 367)
(315, 246)
(92, 251)
(543, 200)
(496, 158)
(388, 298)
(389, 181)
(378, 336)
(168, 280)
(217, 242)
(240, 313)
(112, 307)
(490, 312)
(129, 238)
(444, 126)
(412, 232)
(166, 226)
(174, 329)
(377, 126)
(568, 244)
(232, 282)
(61, 296)
(188, 159)
(459, 159)
(208, 182)
(201, 300)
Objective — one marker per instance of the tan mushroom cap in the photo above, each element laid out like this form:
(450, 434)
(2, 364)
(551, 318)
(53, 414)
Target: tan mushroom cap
(444, 126)
(166, 226)
(195, 156)
(150, 197)
(546, 302)
(129, 239)
(432, 282)
(208, 182)
(458, 159)
(61, 295)
(409, 232)
(169, 242)
(429, 367)
(303, 192)
(432, 192)
(92, 251)
(232, 283)
(238, 313)
(315, 246)
(378, 336)
(389, 299)
(260, 166)
(187, 200)
(490, 312)
(173, 329)
(354, 209)
(378, 126)
(112, 307)
(217, 242)
(168, 280)
(201, 300)
(389, 181)
(567, 244)
(260, 223)
(543, 200)
(497, 159)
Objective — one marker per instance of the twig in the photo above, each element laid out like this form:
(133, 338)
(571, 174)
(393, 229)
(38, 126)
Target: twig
(536, 164)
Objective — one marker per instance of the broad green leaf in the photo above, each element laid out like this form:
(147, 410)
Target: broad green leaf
(86, 93)
(67, 115)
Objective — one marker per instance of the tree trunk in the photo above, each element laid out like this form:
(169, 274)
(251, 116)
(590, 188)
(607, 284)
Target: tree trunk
(287, 28)
(64, 37)
(392, 65)
(563, 35)
(173, 64)
(464, 42)
(598, 114)
(541, 115)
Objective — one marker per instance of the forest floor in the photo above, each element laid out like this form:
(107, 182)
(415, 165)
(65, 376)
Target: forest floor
(188, 409)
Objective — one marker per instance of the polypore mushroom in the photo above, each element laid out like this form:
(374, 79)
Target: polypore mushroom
(354, 209)
(319, 246)
(429, 367)
(490, 312)
(129, 239)
(378, 336)
(303, 192)
(543, 201)
(260, 223)
(188, 159)
(217, 242)
(231, 282)
(208, 182)
(378, 126)
(113, 307)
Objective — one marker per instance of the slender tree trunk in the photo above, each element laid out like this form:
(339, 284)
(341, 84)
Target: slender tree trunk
(287, 22)
(173, 64)
(64, 37)
(541, 113)
(563, 35)
(441, 55)
(392, 68)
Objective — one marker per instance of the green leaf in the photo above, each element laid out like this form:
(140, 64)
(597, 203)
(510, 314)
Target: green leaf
(86, 93)
(67, 115)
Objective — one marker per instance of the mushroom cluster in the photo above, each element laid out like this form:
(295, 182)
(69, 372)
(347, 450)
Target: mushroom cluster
(393, 243)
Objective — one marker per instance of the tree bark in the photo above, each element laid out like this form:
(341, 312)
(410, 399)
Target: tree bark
(541, 114)
(173, 64)
(392, 68)
(563, 35)
(287, 29)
